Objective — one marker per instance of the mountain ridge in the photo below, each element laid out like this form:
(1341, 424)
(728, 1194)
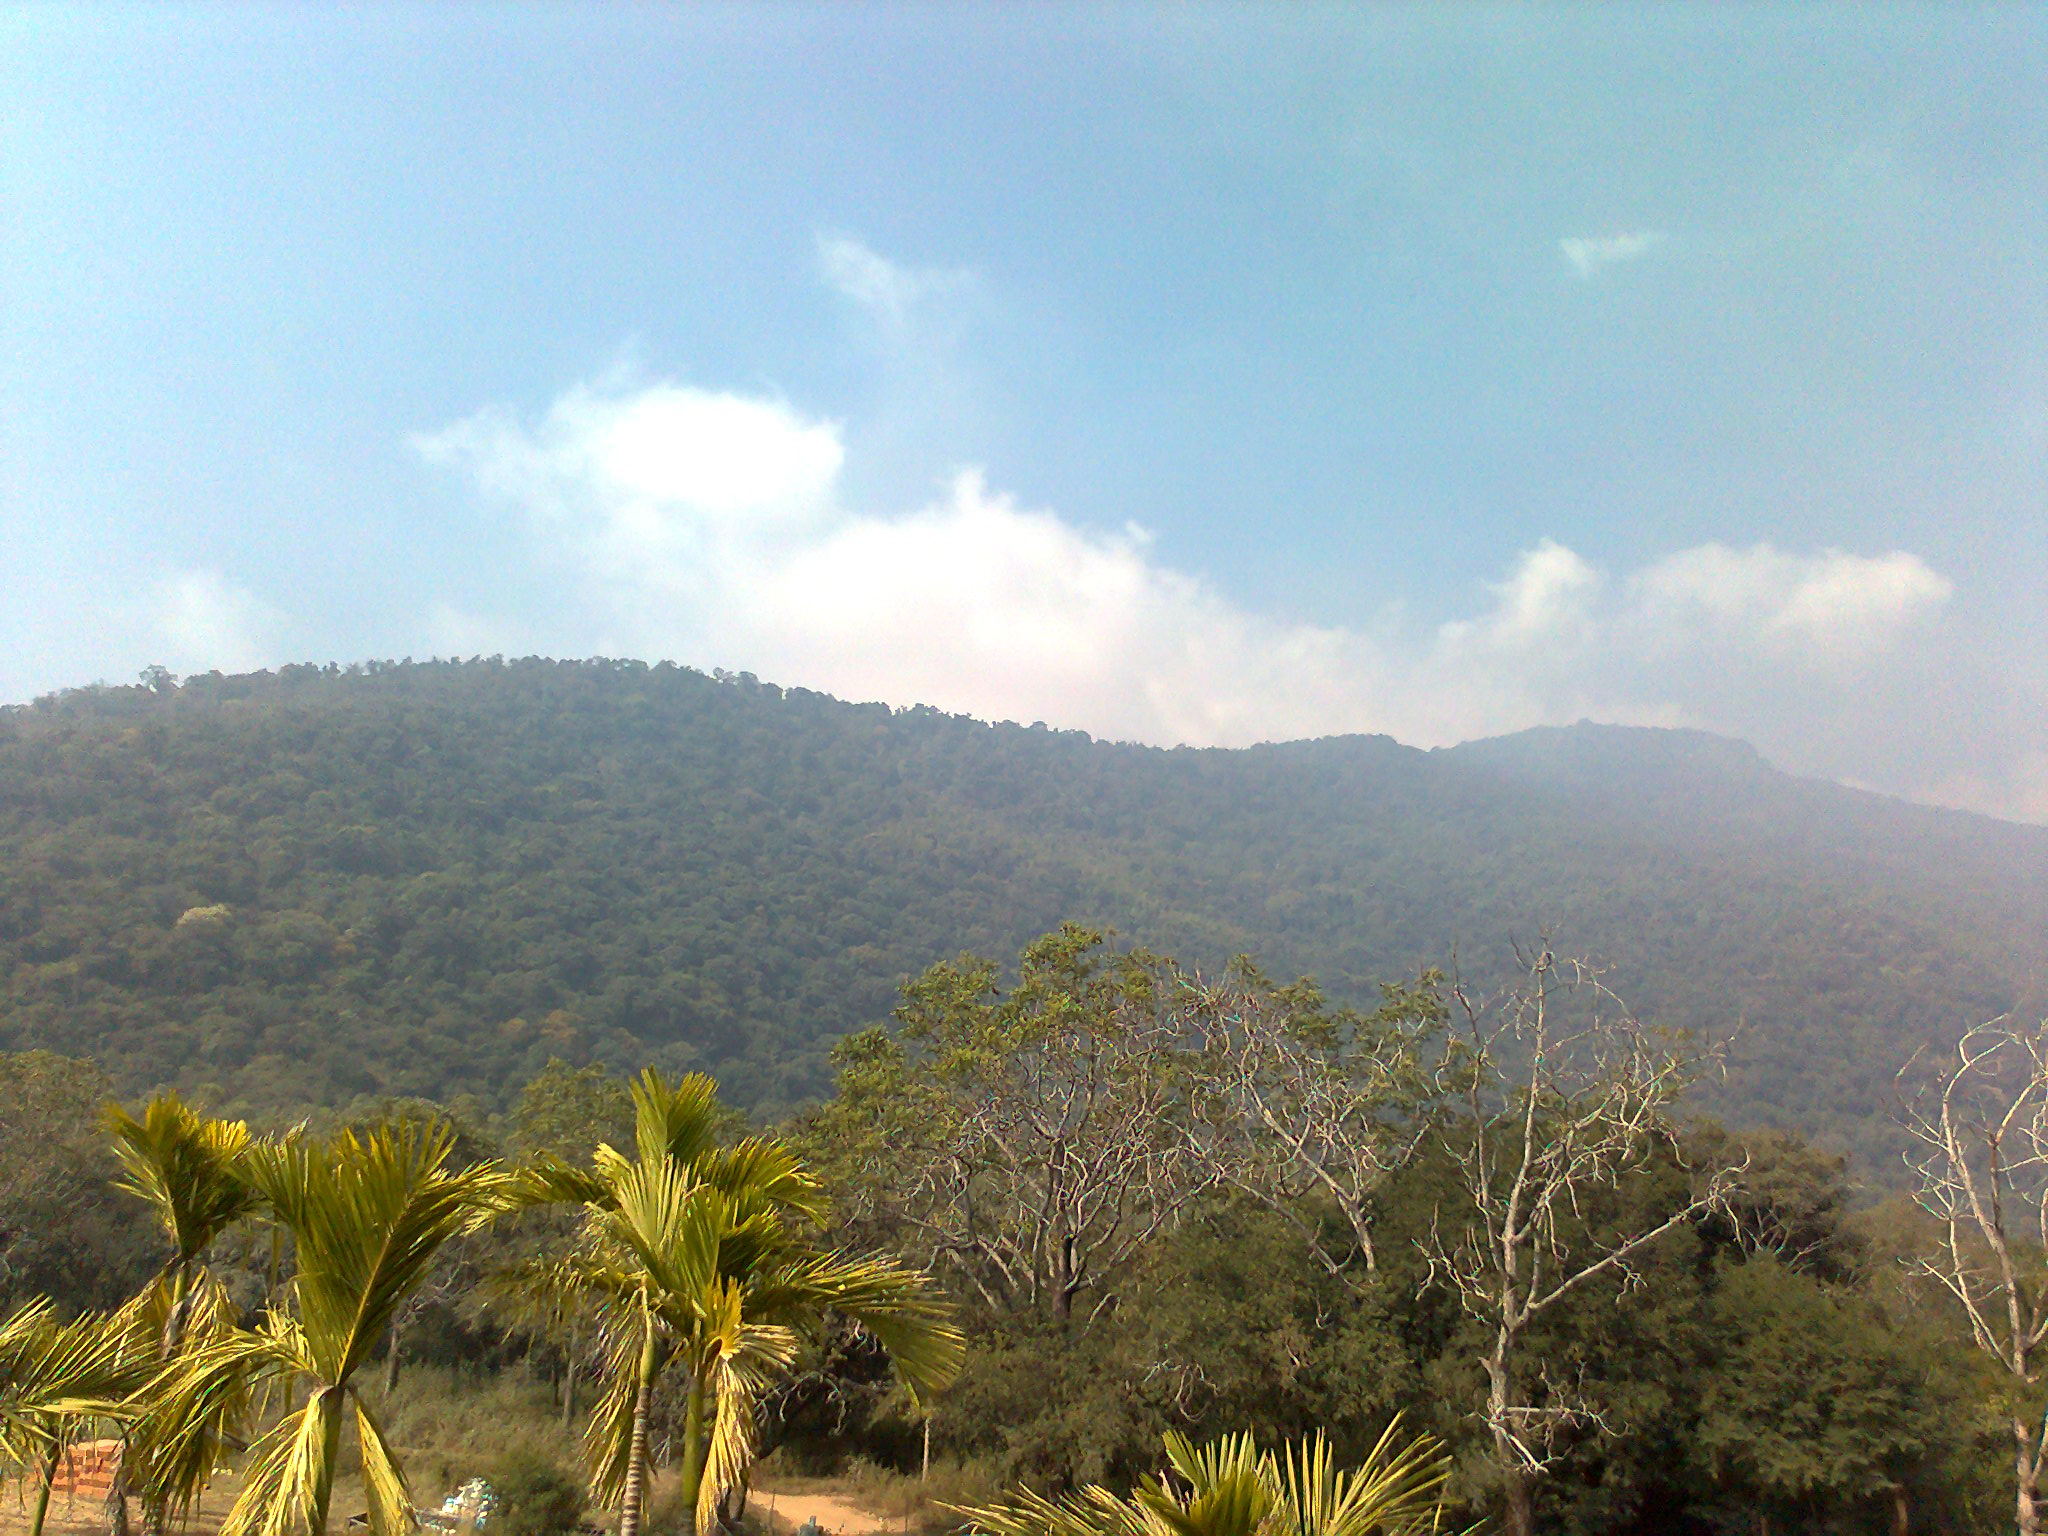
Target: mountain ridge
(436, 874)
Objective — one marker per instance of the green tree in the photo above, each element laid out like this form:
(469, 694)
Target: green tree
(64, 1233)
(1809, 1407)
(54, 1379)
(697, 1257)
(367, 1215)
(188, 1170)
(1027, 1142)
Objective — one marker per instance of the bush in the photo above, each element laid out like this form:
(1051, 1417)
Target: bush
(534, 1497)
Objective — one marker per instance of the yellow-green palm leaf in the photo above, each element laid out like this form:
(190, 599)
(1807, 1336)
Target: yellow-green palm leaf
(1232, 1488)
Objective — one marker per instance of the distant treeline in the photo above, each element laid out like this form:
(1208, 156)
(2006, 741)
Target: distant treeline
(300, 888)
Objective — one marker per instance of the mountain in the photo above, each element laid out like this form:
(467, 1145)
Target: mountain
(295, 888)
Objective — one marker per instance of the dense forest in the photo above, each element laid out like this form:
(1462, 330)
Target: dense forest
(1082, 1202)
(430, 879)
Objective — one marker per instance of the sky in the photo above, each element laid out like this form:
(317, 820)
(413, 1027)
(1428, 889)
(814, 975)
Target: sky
(1190, 375)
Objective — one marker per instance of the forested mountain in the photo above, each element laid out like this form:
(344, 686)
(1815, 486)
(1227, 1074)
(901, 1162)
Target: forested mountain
(429, 878)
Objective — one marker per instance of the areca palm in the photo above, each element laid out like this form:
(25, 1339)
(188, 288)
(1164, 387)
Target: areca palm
(697, 1257)
(367, 1214)
(1232, 1488)
(55, 1378)
(189, 1170)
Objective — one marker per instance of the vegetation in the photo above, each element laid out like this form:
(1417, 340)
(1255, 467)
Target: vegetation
(315, 887)
(693, 1257)
(1232, 1488)
(534, 1496)
(1044, 1220)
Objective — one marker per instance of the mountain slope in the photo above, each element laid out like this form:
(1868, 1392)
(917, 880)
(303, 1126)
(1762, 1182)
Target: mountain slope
(427, 878)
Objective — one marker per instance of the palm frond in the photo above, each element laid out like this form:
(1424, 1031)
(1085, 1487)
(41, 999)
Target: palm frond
(186, 1166)
(368, 1215)
(608, 1438)
(54, 1374)
(763, 1175)
(901, 1307)
(1397, 1490)
(173, 1471)
(741, 1360)
(221, 1383)
(680, 1121)
(383, 1481)
(1230, 1487)
(292, 1473)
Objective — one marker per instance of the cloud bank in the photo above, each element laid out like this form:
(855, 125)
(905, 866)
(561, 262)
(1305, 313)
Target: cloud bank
(710, 527)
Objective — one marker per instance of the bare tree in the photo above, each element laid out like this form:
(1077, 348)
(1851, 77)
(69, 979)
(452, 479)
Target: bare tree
(1979, 1124)
(1302, 1104)
(1555, 1095)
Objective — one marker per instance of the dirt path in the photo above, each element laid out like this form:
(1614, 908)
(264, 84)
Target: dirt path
(836, 1513)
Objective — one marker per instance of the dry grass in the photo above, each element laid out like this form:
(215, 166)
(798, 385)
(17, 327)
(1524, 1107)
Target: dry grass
(451, 1425)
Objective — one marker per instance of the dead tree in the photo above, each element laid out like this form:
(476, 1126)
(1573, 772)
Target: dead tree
(1979, 1125)
(1555, 1095)
(1302, 1106)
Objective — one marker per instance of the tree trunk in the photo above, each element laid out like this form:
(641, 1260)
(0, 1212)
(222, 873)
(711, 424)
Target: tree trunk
(117, 1495)
(924, 1471)
(695, 1446)
(635, 1492)
(43, 1494)
(391, 1359)
(1902, 1514)
(1521, 1503)
(155, 1515)
(2027, 1475)
(1519, 1483)
(569, 1383)
(328, 1402)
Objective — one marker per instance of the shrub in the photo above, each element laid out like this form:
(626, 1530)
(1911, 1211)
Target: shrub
(534, 1497)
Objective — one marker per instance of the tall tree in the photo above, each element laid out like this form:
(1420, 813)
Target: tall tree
(1809, 1406)
(188, 1170)
(367, 1214)
(1310, 1107)
(697, 1258)
(1027, 1143)
(1556, 1093)
(1979, 1122)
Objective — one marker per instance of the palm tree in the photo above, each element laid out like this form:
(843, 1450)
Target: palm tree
(188, 1168)
(54, 1379)
(366, 1214)
(699, 1257)
(1232, 1488)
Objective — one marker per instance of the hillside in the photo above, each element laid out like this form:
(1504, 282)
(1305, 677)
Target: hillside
(304, 886)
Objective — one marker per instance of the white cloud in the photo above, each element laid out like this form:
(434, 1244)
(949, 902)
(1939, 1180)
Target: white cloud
(1588, 254)
(1834, 605)
(204, 622)
(709, 528)
(890, 291)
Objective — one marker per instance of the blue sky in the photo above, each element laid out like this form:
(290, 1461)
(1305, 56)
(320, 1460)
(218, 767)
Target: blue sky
(1182, 375)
